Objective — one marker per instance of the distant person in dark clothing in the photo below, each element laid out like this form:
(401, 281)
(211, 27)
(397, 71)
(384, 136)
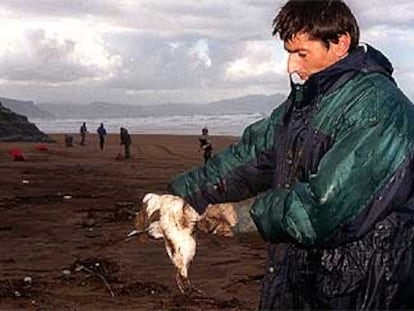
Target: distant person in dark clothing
(205, 145)
(83, 131)
(101, 133)
(126, 141)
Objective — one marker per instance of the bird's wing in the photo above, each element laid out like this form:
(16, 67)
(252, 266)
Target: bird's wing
(189, 217)
(154, 230)
(171, 248)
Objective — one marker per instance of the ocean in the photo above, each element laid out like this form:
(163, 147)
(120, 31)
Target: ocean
(228, 124)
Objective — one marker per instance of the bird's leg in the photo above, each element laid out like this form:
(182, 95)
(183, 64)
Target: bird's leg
(183, 283)
(197, 291)
(185, 286)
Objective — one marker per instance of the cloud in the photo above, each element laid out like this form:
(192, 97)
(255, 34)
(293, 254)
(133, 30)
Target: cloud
(166, 50)
(200, 52)
(54, 56)
(398, 13)
(152, 63)
(75, 8)
(257, 61)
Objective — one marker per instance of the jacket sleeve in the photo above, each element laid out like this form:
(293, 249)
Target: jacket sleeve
(368, 149)
(240, 171)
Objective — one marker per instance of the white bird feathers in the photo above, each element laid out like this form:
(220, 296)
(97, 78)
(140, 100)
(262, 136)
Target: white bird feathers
(176, 225)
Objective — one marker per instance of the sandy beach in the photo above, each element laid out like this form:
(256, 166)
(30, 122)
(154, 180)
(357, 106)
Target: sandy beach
(65, 213)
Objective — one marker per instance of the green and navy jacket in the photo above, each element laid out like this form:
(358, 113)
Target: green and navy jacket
(328, 163)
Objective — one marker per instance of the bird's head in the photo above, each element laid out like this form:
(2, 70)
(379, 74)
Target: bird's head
(151, 203)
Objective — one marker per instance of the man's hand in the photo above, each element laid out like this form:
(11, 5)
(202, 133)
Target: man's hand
(219, 219)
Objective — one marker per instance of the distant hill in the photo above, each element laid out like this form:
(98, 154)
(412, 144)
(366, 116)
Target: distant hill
(246, 104)
(26, 108)
(15, 127)
(262, 104)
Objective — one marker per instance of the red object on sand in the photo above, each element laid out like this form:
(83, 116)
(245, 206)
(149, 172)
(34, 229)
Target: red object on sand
(41, 147)
(16, 154)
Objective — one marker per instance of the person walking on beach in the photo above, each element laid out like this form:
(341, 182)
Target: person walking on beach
(83, 131)
(101, 133)
(205, 144)
(331, 169)
(126, 141)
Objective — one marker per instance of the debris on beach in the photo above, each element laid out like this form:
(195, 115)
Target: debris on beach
(101, 269)
(41, 147)
(20, 288)
(16, 154)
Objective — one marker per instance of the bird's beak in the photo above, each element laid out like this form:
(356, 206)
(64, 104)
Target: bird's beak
(134, 233)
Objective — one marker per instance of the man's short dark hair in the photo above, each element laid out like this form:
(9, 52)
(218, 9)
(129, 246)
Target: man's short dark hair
(324, 20)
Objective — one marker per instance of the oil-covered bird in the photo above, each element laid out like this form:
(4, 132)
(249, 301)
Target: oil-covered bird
(176, 224)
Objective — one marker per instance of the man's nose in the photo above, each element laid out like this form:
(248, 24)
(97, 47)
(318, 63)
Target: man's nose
(293, 64)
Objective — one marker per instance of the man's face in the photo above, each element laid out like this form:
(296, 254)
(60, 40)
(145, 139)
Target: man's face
(307, 57)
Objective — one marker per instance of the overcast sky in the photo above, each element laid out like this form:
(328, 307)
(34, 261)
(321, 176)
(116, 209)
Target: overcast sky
(159, 51)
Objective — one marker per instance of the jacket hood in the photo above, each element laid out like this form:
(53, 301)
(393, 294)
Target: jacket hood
(368, 59)
(364, 59)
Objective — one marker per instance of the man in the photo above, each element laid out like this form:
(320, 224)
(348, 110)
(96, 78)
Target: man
(126, 141)
(332, 169)
(83, 130)
(101, 133)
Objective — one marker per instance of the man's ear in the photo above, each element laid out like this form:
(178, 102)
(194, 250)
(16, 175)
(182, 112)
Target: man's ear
(342, 47)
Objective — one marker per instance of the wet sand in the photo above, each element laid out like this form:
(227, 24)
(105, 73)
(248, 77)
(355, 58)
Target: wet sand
(65, 213)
